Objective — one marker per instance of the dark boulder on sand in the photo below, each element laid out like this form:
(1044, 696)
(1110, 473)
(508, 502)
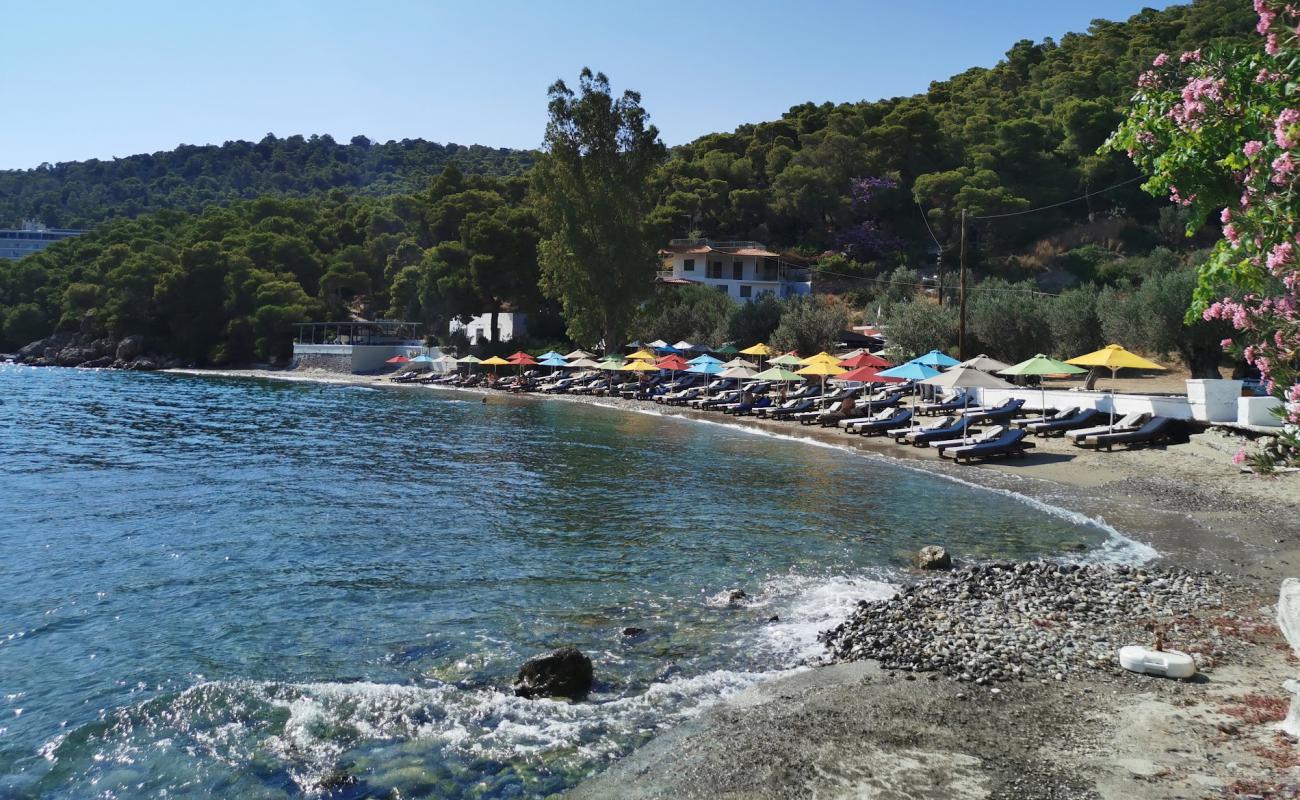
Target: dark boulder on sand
(561, 673)
(129, 348)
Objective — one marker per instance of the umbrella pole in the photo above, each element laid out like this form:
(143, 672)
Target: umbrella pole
(1114, 371)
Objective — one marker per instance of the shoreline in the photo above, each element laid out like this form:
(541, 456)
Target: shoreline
(857, 729)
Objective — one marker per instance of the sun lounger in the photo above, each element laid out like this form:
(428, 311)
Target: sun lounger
(923, 438)
(810, 417)
(1008, 443)
(799, 407)
(898, 418)
(1082, 418)
(1157, 430)
(1055, 416)
(1002, 413)
(973, 438)
(941, 422)
(1125, 424)
(961, 402)
(849, 423)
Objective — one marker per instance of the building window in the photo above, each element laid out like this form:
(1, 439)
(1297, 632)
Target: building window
(715, 270)
(722, 289)
(738, 270)
(688, 265)
(745, 289)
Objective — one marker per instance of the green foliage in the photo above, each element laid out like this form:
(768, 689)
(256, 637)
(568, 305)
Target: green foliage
(1152, 317)
(23, 323)
(810, 324)
(1007, 321)
(695, 313)
(755, 321)
(918, 327)
(598, 257)
(81, 194)
(1072, 318)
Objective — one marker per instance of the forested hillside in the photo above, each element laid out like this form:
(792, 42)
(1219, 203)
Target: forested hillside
(81, 194)
(385, 230)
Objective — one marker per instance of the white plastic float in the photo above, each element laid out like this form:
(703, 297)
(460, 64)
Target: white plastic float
(1149, 661)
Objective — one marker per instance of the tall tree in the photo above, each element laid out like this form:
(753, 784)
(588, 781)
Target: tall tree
(593, 193)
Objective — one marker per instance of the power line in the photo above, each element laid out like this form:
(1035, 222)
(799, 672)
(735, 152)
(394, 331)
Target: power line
(822, 271)
(927, 227)
(1063, 202)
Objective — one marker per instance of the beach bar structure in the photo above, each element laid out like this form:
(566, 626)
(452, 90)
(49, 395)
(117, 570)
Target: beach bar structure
(355, 346)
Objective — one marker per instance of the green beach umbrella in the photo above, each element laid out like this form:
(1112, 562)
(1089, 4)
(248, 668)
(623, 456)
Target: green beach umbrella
(778, 374)
(1042, 365)
(727, 350)
(787, 360)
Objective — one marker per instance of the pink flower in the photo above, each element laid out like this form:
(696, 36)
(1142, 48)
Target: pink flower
(1230, 233)
(1281, 255)
(1284, 132)
(1225, 216)
(1270, 44)
(1252, 147)
(1283, 166)
(1240, 457)
(1161, 60)
(1190, 55)
(1226, 344)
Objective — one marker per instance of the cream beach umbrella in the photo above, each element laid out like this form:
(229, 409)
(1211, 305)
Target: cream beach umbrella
(657, 344)
(984, 363)
(1041, 366)
(740, 362)
(583, 363)
(576, 354)
(960, 377)
(739, 374)
(1114, 358)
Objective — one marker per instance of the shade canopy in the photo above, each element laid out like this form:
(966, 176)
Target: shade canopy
(985, 363)
(911, 371)
(643, 355)
(635, 344)
(518, 354)
(739, 373)
(611, 364)
(865, 359)
(554, 362)
(445, 359)
(865, 375)
(759, 349)
(674, 362)
(495, 361)
(740, 362)
(584, 363)
(549, 354)
(469, 360)
(637, 365)
(657, 343)
(522, 360)
(396, 360)
(778, 374)
(684, 345)
(935, 358)
(706, 367)
(821, 358)
(705, 359)
(787, 360)
(422, 359)
(1113, 357)
(822, 369)
(960, 377)
(727, 350)
(577, 354)
(1041, 365)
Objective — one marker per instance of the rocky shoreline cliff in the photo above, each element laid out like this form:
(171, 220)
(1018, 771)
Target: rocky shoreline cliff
(70, 349)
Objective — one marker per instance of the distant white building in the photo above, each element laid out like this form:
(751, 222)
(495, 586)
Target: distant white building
(741, 270)
(31, 237)
(479, 329)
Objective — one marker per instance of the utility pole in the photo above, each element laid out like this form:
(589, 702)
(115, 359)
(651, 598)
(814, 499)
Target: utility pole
(939, 265)
(961, 294)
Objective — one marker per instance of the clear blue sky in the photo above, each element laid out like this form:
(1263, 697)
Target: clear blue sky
(102, 79)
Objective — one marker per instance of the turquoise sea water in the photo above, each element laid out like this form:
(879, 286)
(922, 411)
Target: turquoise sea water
(244, 588)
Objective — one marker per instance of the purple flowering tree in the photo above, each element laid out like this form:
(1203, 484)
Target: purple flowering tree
(866, 240)
(1219, 132)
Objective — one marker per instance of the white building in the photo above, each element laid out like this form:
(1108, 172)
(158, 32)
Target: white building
(31, 237)
(741, 270)
(479, 329)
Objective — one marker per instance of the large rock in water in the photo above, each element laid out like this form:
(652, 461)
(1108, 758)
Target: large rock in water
(561, 673)
(933, 557)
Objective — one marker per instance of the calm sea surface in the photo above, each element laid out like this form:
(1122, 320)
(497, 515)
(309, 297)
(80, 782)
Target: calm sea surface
(232, 587)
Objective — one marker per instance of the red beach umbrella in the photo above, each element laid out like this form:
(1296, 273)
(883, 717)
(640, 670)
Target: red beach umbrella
(397, 360)
(522, 359)
(866, 375)
(674, 363)
(518, 354)
(865, 360)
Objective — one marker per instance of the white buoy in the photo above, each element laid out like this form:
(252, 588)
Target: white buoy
(1148, 661)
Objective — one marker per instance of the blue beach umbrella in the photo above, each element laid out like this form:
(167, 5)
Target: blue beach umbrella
(704, 360)
(421, 359)
(707, 367)
(557, 361)
(935, 358)
(549, 354)
(912, 371)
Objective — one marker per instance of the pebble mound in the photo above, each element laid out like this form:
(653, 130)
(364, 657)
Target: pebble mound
(1014, 621)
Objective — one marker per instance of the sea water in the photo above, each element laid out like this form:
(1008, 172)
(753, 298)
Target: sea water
(251, 588)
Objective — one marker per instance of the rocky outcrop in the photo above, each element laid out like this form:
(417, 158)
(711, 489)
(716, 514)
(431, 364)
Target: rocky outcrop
(129, 348)
(933, 557)
(561, 673)
(68, 349)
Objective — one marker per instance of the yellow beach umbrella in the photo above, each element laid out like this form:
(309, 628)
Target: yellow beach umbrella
(638, 365)
(1114, 358)
(821, 358)
(759, 349)
(495, 361)
(642, 355)
(823, 370)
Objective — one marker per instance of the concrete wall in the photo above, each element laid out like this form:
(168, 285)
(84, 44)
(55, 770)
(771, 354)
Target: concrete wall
(1175, 406)
(354, 359)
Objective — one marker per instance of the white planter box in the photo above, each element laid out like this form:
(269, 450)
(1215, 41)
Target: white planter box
(1258, 411)
(1213, 400)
